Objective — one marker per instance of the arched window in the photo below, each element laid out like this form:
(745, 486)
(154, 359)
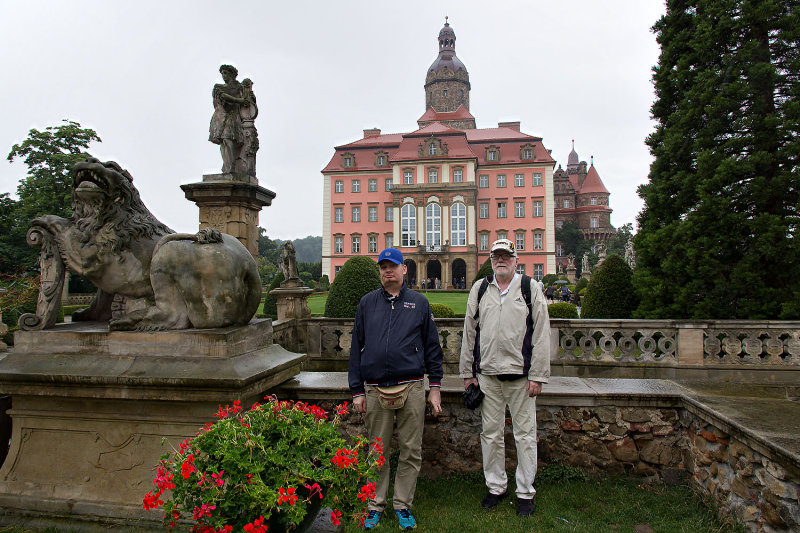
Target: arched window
(433, 227)
(408, 225)
(458, 224)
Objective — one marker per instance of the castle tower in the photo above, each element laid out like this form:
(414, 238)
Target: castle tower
(447, 83)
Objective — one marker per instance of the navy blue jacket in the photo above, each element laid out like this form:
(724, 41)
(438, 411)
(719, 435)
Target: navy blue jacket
(394, 341)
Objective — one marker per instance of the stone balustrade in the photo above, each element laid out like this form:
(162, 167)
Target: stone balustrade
(636, 348)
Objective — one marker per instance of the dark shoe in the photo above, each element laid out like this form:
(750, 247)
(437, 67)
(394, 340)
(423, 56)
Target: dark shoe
(493, 500)
(525, 507)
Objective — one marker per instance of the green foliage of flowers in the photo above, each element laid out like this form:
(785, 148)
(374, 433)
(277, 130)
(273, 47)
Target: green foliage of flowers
(264, 467)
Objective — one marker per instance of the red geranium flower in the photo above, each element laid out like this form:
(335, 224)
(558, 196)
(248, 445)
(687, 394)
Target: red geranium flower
(335, 516)
(256, 526)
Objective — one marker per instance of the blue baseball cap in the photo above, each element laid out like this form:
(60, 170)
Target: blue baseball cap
(391, 254)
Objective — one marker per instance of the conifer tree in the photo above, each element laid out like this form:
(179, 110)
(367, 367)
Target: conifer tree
(718, 234)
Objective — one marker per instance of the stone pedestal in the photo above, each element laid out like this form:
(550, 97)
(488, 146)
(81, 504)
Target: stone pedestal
(230, 203)
(571, 271)
(292, 302)
(91, 407)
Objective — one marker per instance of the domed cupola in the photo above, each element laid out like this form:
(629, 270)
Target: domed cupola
(573, 160)
(447, 83)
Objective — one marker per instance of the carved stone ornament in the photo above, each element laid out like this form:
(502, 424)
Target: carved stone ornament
(168, 280)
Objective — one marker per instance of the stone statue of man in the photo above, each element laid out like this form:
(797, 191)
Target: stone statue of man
(226, 123)
(289, 262)
(585, 262)
(630, 255)
(248, 111)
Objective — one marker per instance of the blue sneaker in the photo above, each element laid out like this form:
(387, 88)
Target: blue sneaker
(405, 519)
(372, 519)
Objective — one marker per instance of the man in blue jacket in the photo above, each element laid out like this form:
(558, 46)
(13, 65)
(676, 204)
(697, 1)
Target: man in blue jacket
(395, 343)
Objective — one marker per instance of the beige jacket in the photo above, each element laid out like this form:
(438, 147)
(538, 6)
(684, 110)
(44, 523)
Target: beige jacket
(506, 337)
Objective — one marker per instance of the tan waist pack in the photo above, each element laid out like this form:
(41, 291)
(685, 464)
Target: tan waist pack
(394, 397)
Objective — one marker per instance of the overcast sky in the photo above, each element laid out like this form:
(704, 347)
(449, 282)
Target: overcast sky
(140, 74)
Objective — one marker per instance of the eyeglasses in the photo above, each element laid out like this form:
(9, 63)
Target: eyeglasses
(503, 256)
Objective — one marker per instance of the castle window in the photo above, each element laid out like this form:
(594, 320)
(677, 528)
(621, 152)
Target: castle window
(483, 182)
(356, 245)
(537, 179)
(458, 224)
(372, 214)
(483, 210)
(389, 240)
(444, 93)
(559, 250)
(521, 270)
(356, 185)
(432, 149)
(338, 214)
(537, 241)
(372, 185)
(501, 210)
(408, 226)
(433, 175)
(348, 162)
(433, 225)
(484, 242)
(519, 240)
(356, 214)
(593, 200)
(527, 153)
(338, 186)
(373, 244)
(560, 224)
(408, 177)
(566, 203)
(338, 244)
(389, 184)
(519, 180)
(519, 209)
(537, 208)
(389, 214)
(492, 155)
(502, 235)
(501, 180)
(458, 175)
(595, 222)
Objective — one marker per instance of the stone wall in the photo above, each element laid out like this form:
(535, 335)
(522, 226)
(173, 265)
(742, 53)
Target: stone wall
(757, 489)
(670, 444)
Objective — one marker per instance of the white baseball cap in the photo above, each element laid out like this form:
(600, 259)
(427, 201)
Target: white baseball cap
(504, 245)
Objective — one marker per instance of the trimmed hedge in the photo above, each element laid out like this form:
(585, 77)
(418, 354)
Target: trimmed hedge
(562, 310)
(270, 302)
(610, 293)
(483, 271)
(442, 311)
(358, 276)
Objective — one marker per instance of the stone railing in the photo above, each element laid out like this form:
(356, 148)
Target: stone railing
(644, 348)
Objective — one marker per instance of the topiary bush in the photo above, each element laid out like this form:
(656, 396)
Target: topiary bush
(549, 279)
(358, 276)
(324, 283)
(582, 283)
(562, 310)
(610, 293)
(442, 311)
(483, 271)
(270, 302)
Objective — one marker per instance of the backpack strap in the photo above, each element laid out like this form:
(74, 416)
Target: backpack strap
(526, 292)
(481, 291)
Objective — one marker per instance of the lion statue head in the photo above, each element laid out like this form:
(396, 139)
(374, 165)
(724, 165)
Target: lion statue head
(105, 203)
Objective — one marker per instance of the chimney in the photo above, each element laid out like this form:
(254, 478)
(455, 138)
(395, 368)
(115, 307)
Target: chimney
(374, 132)
(512, 125)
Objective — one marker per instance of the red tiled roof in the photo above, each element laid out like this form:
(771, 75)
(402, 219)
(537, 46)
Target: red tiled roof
(437, 128)
(456, 140)
(593, 183)
(462, 113)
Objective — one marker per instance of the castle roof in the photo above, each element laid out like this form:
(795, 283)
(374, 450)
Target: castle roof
(593, 183)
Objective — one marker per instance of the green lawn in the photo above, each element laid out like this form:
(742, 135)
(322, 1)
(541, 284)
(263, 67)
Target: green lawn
(457, 301)
(566, 501)
(574, 504)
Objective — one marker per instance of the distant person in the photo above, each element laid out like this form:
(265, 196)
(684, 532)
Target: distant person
(394, 344)
(549, 293)
(506, 351)
(565, 294)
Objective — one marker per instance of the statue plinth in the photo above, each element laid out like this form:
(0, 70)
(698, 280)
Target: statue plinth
(91, 407)
(571, 272)
(292, 300)
(230, 203)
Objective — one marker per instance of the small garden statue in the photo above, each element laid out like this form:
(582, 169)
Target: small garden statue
(232, 124)
(289, 262)
(630, 255)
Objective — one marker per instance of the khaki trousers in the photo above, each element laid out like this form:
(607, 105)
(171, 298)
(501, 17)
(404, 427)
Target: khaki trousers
(410, 422)
(513, 394)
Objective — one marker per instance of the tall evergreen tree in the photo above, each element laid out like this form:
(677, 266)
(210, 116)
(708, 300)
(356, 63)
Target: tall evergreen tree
(718, 234)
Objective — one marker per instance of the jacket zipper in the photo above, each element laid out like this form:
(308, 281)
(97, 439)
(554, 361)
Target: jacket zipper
(388, 336)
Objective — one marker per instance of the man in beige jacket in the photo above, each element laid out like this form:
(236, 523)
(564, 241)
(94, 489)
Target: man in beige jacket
(506, 351)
